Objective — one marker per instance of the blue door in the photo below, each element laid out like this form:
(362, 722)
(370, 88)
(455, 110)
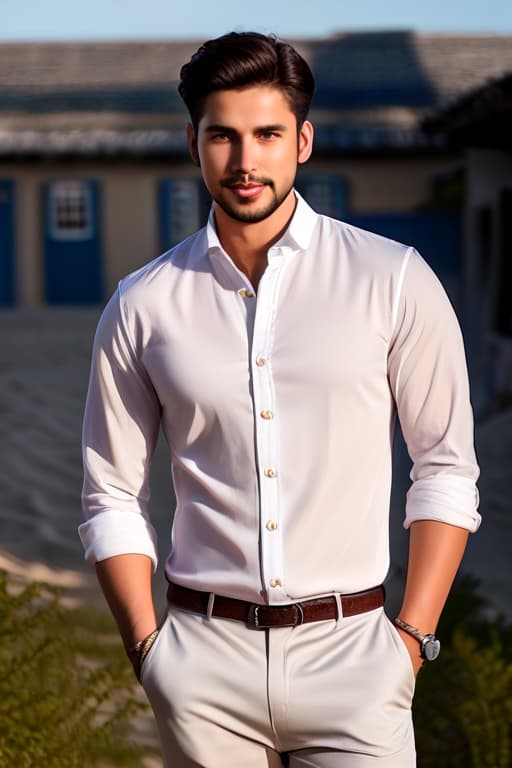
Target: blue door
(183, 206)
(6, 242)
(73, 264)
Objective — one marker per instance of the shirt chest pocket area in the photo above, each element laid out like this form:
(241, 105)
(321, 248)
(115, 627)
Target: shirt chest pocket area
(332, 356)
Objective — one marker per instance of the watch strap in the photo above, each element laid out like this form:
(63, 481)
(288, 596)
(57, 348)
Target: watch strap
(414, 631)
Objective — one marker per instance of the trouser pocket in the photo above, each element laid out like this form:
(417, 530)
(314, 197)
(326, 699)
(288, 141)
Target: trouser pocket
(148, 658)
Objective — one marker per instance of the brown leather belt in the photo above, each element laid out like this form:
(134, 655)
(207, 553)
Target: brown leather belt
(258, 616)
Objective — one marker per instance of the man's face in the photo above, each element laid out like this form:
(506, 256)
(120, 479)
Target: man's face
(248, 149)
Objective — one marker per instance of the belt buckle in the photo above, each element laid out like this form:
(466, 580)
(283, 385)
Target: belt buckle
(254, 621)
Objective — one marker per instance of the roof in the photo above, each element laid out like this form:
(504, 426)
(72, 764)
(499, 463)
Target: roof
(481, 118)
(373, 88)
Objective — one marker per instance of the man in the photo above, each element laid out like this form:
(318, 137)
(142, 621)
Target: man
(275, 347)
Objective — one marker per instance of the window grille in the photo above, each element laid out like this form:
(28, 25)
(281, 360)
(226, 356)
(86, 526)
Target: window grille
(70, 210)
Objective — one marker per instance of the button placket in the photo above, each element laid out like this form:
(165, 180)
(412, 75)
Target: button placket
(266, 432)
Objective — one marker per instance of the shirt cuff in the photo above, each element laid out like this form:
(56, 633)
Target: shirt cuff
(116, 532)
(451, 499)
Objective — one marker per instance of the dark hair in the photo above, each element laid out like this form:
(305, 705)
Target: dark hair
(241, 59)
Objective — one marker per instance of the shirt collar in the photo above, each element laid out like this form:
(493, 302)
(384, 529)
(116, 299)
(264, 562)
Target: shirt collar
(301, 226)
(298, 233)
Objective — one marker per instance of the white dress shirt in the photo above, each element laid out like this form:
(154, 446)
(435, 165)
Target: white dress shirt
(279, 410)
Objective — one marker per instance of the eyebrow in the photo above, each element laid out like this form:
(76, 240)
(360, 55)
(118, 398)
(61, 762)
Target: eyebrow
(216, 128)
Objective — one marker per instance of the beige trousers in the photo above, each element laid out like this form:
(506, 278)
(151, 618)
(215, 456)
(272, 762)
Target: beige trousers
(329, 693)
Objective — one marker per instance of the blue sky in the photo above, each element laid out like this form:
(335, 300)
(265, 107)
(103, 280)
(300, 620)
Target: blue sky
(128, 19)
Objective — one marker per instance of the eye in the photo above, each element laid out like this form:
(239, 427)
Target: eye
(269, 135)
(219, 137)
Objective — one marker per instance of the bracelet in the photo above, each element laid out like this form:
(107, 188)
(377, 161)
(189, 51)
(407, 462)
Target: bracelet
(140, 650)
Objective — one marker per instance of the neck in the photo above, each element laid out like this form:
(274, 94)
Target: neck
(248, 244)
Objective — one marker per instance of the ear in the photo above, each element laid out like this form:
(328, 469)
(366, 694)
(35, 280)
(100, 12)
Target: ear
(192, 144)
(305, 141)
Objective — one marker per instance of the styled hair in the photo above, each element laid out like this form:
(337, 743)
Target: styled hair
(243, 59)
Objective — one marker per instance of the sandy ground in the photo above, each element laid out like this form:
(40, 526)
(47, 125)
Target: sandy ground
(44, 365)
(44, 362)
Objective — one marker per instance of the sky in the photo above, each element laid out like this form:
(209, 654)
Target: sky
(200, 19)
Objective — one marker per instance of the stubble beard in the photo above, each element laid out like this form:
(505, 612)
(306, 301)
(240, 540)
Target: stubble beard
(241, 211)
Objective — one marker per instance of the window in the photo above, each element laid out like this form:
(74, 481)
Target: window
(70, 210)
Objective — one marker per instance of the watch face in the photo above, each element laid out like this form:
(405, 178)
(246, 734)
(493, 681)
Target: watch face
(430, 647)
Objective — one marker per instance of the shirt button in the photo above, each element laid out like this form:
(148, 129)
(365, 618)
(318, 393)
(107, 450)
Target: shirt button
(266, 415)
(260, 360)
(245, 293)
(271, 525)
(270, 472)
(275, 583)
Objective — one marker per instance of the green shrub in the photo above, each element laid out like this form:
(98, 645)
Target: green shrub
(67, 693)
(463, 704)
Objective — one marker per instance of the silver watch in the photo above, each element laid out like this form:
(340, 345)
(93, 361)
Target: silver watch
(429, 644)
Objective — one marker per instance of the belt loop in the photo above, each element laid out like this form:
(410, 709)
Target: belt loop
(339, 606)
(209, 609)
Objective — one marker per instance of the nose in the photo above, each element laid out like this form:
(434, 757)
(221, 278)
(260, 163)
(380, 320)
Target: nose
(243, 158)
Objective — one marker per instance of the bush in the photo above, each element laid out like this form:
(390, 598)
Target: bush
(463, 706)
(67, 693)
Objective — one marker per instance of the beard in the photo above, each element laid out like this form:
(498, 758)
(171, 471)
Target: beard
(241, 210)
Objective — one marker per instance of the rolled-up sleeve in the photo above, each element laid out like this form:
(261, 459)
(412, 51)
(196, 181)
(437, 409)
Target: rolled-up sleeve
(428, 377)
(121, 424)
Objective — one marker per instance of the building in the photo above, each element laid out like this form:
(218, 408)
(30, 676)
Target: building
(94, 174)
(480, 125)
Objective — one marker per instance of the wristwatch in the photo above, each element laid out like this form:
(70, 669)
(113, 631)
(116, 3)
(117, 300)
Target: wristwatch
(429, 644)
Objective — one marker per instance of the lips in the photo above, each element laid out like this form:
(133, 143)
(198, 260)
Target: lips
(247, 191)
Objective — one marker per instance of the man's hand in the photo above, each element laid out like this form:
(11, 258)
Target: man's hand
(413, 648)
